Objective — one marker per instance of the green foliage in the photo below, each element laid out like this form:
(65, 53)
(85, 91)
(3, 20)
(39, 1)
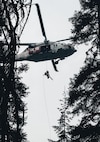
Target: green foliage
(85, 134)
(84, 89)
(85, 22)
(12, 108)
(84, 97)
(12, 90)
(62, 130)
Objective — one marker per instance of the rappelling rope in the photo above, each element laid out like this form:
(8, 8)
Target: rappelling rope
(46, 108)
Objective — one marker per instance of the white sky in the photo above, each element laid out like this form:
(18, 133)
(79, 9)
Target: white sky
(44, 96)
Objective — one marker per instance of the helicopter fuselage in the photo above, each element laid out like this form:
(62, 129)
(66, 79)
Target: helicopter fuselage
(43, 52)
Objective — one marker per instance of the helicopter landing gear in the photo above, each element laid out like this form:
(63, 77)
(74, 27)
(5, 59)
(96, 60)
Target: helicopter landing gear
(57, 61)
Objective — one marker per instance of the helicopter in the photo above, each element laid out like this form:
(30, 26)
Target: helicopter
(47, 50)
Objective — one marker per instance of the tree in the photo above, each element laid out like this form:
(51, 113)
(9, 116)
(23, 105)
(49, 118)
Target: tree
(12, 90)
(63, 122)
(84, 90)
(84, 97)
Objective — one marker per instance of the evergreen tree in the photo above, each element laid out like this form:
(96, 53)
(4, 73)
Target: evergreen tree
(63, 123)
(84, 91)
(84, 97)
(12, 90)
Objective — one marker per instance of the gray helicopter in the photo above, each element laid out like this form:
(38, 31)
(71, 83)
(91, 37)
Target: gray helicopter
(47, 50)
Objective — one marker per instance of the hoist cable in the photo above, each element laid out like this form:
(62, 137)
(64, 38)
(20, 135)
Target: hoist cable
(46, 108)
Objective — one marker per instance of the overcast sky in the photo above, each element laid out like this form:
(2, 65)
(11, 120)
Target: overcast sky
(44, 96)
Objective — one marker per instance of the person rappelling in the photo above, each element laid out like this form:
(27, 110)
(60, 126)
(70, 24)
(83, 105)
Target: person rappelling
(48, 75)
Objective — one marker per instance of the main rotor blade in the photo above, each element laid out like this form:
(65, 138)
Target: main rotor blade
(25, 44)
(41, 21)
(20, 44)
(64, 39)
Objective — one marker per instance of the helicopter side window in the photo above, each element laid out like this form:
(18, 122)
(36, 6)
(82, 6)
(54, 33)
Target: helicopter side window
(34, 50)
(48, 47)
(45, 48)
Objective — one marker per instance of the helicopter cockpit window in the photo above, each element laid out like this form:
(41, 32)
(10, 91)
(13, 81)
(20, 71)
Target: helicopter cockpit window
(69, 46)
(26, 49)
(30, 46)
